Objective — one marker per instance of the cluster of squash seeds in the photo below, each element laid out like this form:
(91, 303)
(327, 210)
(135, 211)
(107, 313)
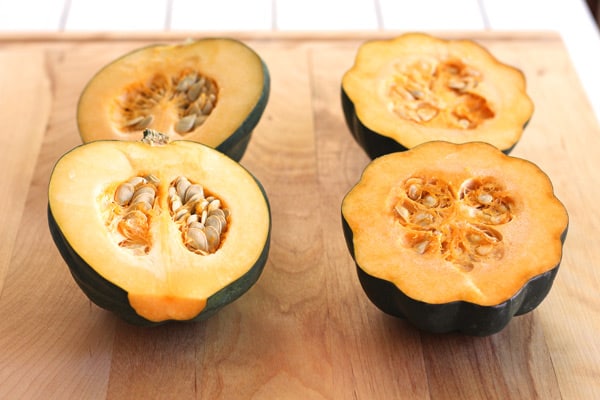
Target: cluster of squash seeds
(486, 201)
(134, 200)
(191, 94)
(438, 94)
(202, 219)
(458, 224)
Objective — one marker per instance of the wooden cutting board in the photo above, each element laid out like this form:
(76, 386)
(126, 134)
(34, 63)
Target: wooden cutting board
(305, 330)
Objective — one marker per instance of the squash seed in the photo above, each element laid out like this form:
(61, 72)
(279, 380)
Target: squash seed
(483, 250)
(213, 205)
(134, 121)
(185, 83)
(176, 204)
(198, 239)
(215, 222)
(192, 191)
(124, 193)
(421, 246)
(185, 124)
(413, 192)
(193, 108)
(402, 212)
(485, 199)
(136, 180)
(143, 197)
(201, 206)
(429, 201)
(213, 237)
(134, 228)
(218, 212)
(152, 179)
(180, 213)
(181, 185)
(457, 84)
(145, 188)
(426, 112)
(207, 108)
(195, 198)
(464, 123)
(199, 120)
(196, 225)
(194, 91)
(423, 219)
(144, 122)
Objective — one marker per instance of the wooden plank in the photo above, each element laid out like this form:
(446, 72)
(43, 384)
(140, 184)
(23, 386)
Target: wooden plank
(562, 139)
(513, 364)
(306, 329)
(363, 340)
(289, 328)
(24, 125)
(54, 343)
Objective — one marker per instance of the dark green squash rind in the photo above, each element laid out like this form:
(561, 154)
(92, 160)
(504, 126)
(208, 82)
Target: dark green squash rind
(458, 316)
(373, 143)
(236, 144)
(111, 297)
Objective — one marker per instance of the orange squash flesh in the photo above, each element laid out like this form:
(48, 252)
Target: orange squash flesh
(417, 88)
(448, 222)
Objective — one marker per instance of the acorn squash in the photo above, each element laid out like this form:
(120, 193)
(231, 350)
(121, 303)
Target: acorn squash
(156, 230)
(417, 88)
(454, 237)
(211, 90)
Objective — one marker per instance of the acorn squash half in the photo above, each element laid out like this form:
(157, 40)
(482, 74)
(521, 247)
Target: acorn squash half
(155, 230)
(454, 237)
(416, 88)
(211, 90)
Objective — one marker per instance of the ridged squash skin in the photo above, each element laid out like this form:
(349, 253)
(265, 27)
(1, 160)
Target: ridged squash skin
(111, 297)
(463, 270)
(458, 316)
(415, 88)
(168, 281)
(144, 82)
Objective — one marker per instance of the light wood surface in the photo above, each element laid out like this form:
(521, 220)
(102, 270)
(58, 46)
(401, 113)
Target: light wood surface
(305, 330)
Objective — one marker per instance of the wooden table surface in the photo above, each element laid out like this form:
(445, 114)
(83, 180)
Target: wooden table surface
(305, 330)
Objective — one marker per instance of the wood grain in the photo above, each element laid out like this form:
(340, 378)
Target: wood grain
(22, 76)
(305, 330)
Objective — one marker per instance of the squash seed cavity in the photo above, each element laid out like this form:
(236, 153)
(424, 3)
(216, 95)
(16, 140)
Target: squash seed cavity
(191, 95)
(457, 224)
(130, 214)
(437, 93)
(201, 217)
